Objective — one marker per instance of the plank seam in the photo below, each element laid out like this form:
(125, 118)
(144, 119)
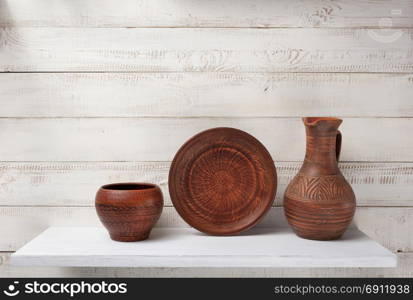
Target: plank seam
(203, 72)
(264, 27)
(169, 206)
(168, 161)
(196, 117)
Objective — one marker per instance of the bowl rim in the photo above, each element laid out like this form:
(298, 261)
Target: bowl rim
(123, 187)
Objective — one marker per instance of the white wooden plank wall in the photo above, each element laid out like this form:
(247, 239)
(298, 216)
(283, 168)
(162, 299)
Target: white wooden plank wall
(98, 91)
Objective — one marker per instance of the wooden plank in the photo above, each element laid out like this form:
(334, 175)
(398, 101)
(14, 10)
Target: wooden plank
(404, 269)
(158, 139)
(215, 13)
(206, 50)
(184, 247)
(75, 183)
(390, 226)
(205, 94)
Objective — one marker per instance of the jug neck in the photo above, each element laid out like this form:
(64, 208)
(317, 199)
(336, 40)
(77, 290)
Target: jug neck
(323, 146)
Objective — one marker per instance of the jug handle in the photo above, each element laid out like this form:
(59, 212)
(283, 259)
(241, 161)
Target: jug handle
(338, 144)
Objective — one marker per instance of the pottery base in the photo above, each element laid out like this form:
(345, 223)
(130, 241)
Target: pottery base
(318, 237)
(129, 238)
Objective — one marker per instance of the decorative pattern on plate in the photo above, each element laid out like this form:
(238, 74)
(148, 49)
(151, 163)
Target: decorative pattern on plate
(222, 181)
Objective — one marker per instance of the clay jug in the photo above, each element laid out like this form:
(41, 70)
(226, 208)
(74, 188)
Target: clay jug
(319, 203)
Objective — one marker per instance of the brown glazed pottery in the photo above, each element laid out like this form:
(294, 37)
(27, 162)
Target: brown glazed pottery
(319, 203)
(129, 210)
(222, 181)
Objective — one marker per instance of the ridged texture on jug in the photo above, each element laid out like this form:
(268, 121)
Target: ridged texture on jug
(319, 203)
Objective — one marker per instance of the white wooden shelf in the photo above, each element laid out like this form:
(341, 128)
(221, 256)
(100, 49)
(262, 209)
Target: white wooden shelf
(186, 247)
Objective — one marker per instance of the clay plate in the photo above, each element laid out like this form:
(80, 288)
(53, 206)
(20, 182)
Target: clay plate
(222, 181)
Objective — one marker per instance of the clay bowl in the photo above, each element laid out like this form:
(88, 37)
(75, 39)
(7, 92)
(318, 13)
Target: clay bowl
(129, 211)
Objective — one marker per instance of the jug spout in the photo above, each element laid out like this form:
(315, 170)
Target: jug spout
(322, 126)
